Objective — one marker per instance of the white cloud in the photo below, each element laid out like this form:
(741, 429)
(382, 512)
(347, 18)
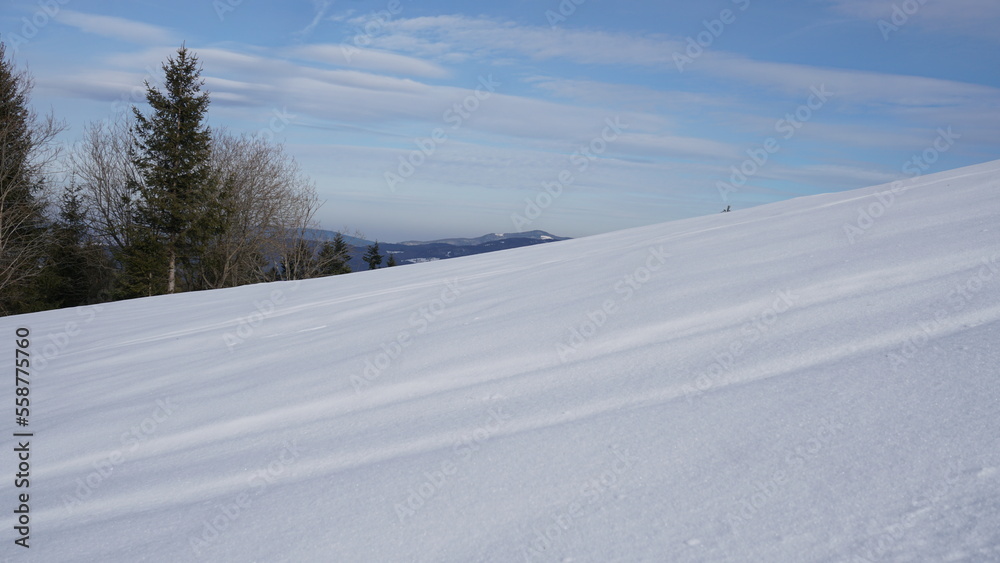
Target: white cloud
(354, 96)
(847, 85)
(900, 95)
(116, 28)
(976, 17)
(490, 38)
(672, 146)
(368, 59)
(840, 175)
(636, 97)
(99, 84)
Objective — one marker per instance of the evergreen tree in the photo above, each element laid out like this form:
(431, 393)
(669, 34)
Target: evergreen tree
(141, 264)
(23, 225)
(333, 257)
(77, 270)
(179, 199)
(372, 256)
(391, 261)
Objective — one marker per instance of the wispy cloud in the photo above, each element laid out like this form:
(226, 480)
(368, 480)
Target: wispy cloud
(116, 28)
(979, 17)
(489, 38)
(856, 86)
(368, 59)
(607, 94)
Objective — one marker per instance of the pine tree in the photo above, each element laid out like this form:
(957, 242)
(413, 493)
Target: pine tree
(372, 256)
(172, 150)
(333, 257)
(391, 261)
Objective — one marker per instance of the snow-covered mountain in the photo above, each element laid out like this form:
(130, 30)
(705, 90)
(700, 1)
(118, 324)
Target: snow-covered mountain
(816, 380)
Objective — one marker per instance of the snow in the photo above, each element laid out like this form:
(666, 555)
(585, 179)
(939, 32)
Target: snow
(809, 381)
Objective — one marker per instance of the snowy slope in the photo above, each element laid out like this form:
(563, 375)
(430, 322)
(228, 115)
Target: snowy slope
(797, 382)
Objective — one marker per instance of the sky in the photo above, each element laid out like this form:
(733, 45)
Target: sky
(434, 119)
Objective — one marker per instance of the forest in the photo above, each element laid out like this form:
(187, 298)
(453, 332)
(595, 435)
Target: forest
(148, 203)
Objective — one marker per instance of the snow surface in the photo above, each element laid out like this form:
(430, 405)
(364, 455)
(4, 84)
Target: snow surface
(795, 382)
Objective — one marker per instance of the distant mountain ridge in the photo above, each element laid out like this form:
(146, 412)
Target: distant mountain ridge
(411, 252)
(540, 236)
(320, 235)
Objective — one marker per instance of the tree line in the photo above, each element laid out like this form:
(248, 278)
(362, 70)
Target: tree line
(148, 204)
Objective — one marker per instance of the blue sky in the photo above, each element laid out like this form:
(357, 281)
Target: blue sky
(421, 120)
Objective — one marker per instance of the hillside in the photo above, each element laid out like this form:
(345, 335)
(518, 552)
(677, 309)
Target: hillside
(809, 381)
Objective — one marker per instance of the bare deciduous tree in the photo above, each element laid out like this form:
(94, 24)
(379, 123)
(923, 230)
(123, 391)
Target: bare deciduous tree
(268, 205)
(109, 181)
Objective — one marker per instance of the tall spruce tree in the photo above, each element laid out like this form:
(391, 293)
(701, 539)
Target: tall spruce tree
(172, 151)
